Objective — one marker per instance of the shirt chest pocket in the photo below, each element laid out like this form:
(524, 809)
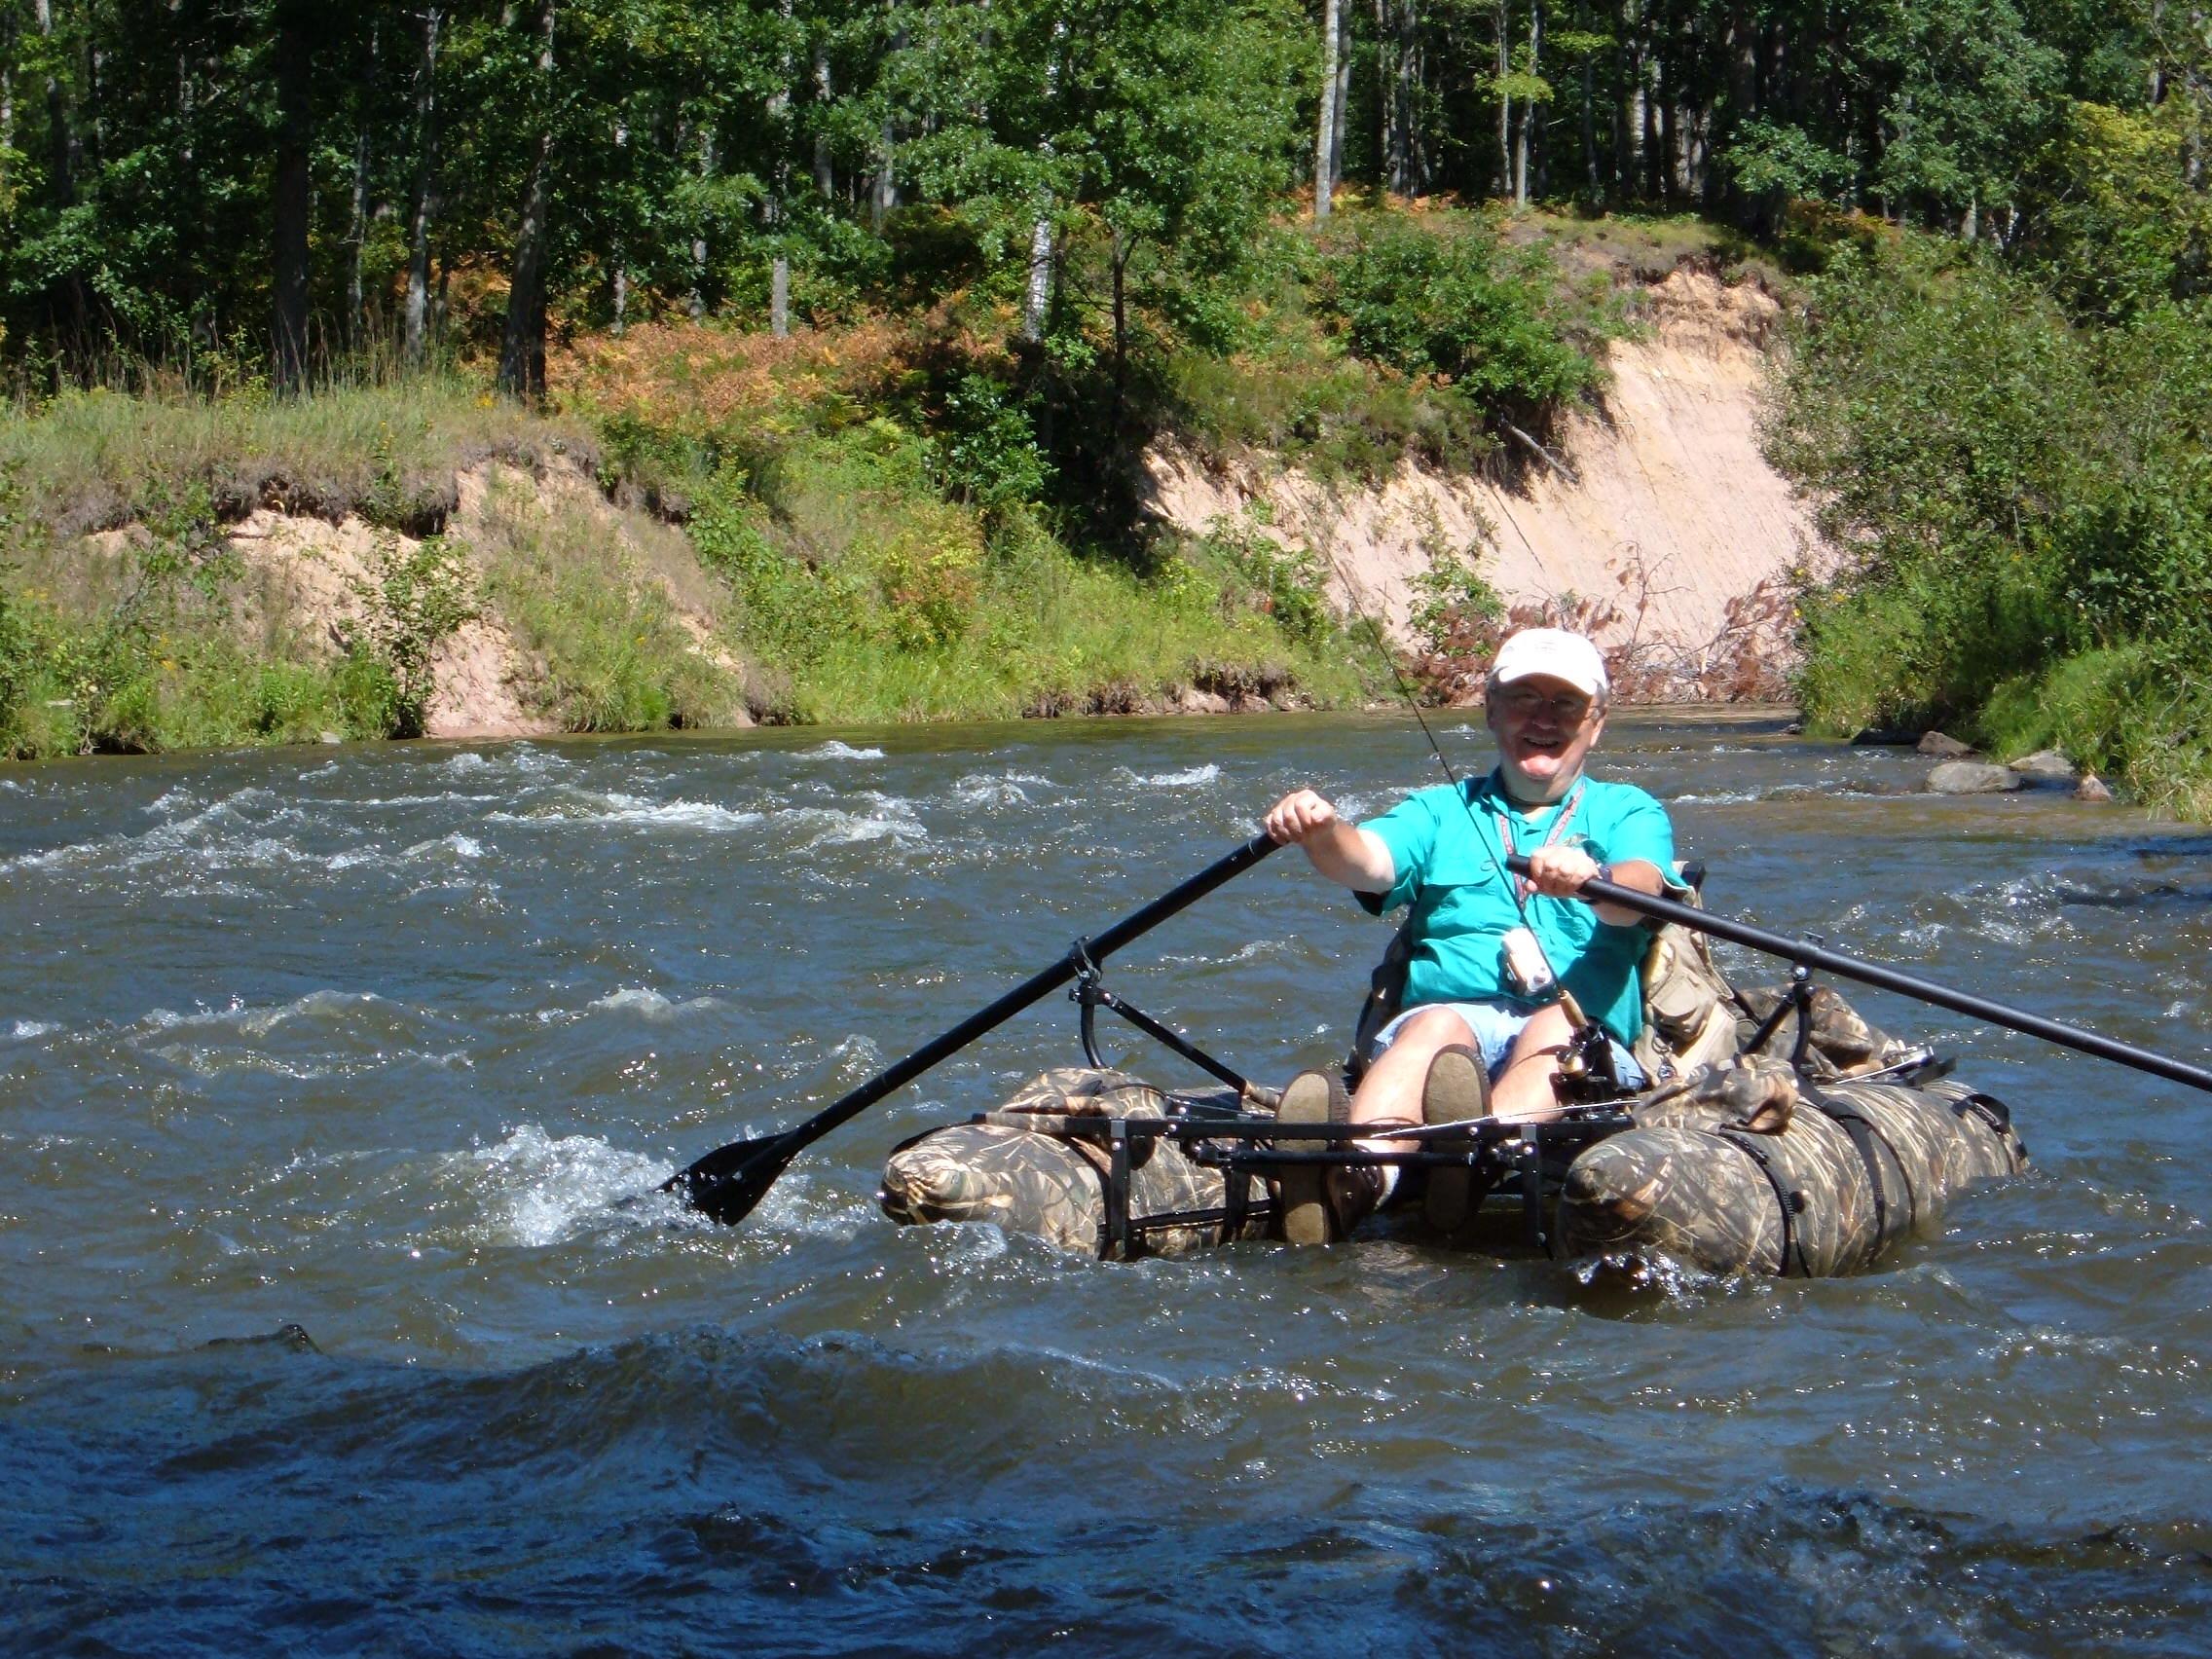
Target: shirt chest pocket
(1459, 867)
(1458, 909)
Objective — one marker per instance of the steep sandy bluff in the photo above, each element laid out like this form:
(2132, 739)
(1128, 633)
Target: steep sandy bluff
(1657, 506)
(311, 582)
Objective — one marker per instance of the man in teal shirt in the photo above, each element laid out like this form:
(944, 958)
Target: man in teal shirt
(1485, 1023)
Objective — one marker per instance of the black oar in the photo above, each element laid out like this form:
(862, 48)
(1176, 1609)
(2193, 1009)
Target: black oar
(1889, 979)
(731, 1180)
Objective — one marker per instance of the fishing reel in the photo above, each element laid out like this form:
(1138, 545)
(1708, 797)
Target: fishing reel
(1588, 1074)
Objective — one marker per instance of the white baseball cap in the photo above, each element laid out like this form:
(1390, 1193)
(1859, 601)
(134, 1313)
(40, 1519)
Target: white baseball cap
(1556, 654)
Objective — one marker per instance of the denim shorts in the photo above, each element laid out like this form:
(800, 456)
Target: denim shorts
(1496, 1025)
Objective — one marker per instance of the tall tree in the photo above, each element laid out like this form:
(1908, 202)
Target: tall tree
(522, 343)
(291, 193)
(1325, 135)
(421, 198)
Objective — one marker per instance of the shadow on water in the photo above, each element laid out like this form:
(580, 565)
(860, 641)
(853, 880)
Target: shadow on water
(627, 1498)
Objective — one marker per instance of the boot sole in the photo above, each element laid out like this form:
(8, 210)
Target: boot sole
(1301, 1190)
(1462, 1092)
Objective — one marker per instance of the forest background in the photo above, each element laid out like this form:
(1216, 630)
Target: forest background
(879, 302)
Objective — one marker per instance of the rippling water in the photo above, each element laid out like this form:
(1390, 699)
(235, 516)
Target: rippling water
(383, 1044)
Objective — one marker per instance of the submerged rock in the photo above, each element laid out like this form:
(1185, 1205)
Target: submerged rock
(2046, 764)
(1940, 746)
(1971, 777)
(1884, 737)
(292, 1339)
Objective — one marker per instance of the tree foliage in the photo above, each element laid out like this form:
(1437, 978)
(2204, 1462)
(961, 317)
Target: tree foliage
(709, 156)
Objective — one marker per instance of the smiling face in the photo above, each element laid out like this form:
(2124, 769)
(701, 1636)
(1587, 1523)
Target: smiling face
(1545, 729)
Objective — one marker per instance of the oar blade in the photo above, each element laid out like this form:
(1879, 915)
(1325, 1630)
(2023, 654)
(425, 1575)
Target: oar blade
(729, 1182)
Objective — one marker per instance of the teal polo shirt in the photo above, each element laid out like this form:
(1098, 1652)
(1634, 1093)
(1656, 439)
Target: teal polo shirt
(1446, 843)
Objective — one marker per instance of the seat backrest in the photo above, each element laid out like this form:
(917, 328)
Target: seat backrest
(1386, 991)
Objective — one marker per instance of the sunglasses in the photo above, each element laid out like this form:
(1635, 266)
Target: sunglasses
(1569, 708)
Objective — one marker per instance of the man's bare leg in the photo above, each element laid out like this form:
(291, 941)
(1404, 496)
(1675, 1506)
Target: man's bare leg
(1524, 1093)
(1391, 1091)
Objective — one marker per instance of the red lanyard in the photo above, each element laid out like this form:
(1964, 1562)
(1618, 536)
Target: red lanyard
(1521, 888)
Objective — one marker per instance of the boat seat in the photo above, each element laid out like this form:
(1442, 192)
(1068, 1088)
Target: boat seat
(1689, 1008)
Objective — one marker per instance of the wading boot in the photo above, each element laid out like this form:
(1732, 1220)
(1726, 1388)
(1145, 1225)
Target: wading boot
(1302, 1190)
(1457, 1090)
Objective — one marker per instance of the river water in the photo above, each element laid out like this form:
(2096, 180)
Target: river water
(382, 1043)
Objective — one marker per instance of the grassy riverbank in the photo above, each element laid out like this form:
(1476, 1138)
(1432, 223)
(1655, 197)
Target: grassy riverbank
(918, 517)
(808, 572)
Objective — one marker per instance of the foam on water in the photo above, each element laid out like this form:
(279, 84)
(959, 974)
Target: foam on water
(134, 852)
(534, 1191)
(894, 817)
(953, 1437)
(648, 1004)
(585, 809)
(324, 1005)
(1005, 789)
(836, 751)
(1188, 777)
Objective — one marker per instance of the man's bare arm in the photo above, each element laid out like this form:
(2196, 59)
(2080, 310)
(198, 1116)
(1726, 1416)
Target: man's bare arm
(1345, 853)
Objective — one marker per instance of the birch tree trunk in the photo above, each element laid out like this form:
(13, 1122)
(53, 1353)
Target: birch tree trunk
(291, 203)
(1039, 280)
(1521, 132)
(522, 348)
(1340, 90)
(779, 128)
(8, 98)
(1038, 300)
(885, 196)
(618, 272)
(1504, 101)
(695, 302)
(1325, 138)
(356, 307)
(825, 179)
(1591, 181)
(60, 115)
(416, 324)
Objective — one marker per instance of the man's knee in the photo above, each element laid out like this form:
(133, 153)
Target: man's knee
(1434, 1027)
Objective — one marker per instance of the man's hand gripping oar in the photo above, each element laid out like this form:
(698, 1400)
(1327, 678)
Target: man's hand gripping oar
(729, 1181)
(1873, 974)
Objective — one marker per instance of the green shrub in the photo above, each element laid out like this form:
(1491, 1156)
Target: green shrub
(2023, 505)
(413, 600)
(1260, 576)
(1458, 303)
(985, 448)
(1451, 599)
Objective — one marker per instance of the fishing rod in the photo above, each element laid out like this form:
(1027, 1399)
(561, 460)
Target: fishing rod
(1810, 956)
(727, 1183)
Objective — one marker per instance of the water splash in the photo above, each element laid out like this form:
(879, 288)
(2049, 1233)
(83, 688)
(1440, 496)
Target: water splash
(589, 809)
(835, 750)
(649, 1004)
(534, 1191)
(1188, 777)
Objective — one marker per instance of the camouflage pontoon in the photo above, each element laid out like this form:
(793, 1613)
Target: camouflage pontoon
(1739, 1160)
